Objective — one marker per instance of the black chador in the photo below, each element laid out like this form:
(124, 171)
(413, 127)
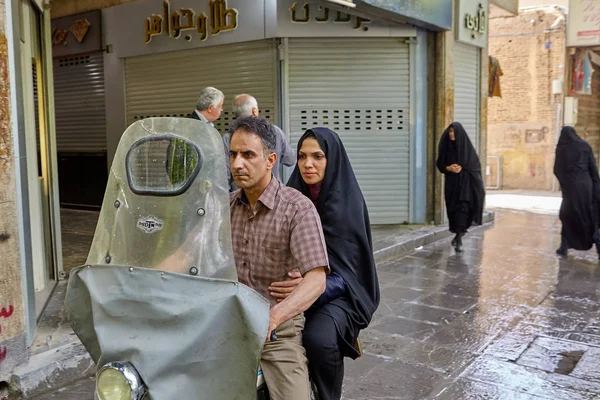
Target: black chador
(332, 325)
(576, 171)
(463, 191)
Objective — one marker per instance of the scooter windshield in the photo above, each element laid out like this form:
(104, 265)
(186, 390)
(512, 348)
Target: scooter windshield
(166, 203)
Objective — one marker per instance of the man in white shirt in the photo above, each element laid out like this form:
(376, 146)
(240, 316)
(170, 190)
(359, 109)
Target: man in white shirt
(209, 106)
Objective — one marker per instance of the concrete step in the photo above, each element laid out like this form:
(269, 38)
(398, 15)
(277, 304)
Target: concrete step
(53, 369)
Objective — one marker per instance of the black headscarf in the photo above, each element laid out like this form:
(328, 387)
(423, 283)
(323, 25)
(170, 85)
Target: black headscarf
(576, 171)
(466, 186)
(571, 155)
(346, 227)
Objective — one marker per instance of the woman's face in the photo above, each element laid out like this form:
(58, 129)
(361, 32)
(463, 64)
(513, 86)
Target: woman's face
(451, 134)
(311, 161)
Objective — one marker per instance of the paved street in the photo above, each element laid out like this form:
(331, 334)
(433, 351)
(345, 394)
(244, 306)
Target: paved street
(505, 320)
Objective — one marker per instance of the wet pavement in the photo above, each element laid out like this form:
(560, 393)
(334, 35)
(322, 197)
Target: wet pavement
(506, 319)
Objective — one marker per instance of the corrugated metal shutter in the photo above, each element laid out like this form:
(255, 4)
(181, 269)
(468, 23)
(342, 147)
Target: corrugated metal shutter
(467, 80)
(168, 84)
(360, 89)
(79, 103)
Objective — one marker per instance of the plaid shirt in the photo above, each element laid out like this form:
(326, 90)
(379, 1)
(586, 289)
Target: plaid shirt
(283, 232)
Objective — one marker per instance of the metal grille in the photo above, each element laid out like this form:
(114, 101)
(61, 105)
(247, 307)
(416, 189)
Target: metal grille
(360, 89)
(467, 80)
(79, 101)
(168, 84)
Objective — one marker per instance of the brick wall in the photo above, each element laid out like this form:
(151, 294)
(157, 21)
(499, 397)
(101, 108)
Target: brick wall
(522, 125)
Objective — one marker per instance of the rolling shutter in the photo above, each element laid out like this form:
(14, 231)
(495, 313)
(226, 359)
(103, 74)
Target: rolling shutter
(467, 80)
(168, 84)
(79, 103)
(360, 89)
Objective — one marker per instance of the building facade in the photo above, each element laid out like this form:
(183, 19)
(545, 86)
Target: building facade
(383, 74)
(524, 124)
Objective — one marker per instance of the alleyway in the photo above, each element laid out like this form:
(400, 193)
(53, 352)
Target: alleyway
(505, 320)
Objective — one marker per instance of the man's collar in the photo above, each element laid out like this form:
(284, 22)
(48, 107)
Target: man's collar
(267, 198)
(202, 117)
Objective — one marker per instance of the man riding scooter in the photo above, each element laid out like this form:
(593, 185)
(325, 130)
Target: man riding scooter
(154, 327)
(158, 305)
(275, 229)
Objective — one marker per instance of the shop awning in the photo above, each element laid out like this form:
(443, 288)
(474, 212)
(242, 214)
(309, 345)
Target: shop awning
(431, 14)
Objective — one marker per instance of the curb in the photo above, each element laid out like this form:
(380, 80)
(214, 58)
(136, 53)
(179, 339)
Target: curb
(52, 369)
(421, 237)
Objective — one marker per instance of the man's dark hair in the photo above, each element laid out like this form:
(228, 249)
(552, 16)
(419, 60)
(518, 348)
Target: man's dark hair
(259, 126)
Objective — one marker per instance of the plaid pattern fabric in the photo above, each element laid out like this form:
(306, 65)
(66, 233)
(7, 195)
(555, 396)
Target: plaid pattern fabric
(283, 232)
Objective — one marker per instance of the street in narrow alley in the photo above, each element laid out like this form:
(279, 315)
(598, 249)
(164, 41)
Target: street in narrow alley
(507, 319)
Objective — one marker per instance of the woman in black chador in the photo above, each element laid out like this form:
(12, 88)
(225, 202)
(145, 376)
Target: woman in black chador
(576, 171)
(324, 174)
(463, 191)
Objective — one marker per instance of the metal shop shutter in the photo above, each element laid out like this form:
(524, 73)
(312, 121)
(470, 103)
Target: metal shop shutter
(79, 103)
(467, 81)
(360, 89)
(168, 84)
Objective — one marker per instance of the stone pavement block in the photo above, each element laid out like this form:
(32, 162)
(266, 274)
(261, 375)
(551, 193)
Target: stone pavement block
(506, 316)
(433, 315)
(588, 367)
(396, 380)
(530, 381)
(552, 355)
(458, 304)
(405, 327)
(356, 370)
(585, 338)
(511, 345)
(466, 389)
(462, 337)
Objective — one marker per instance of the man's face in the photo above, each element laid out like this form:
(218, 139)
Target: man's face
(214, 112)
(249, 165)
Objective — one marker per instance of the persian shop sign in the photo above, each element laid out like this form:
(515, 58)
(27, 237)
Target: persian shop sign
(172, 24)
(583, 28)
(472, 22)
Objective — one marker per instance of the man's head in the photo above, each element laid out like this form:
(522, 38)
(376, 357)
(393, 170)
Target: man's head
(252, 152)
(245, 105)
(210, 103)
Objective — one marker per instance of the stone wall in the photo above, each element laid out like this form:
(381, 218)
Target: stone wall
(522, 125)
(12, 327)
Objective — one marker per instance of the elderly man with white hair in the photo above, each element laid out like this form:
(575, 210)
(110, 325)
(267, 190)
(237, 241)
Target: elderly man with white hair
(245, 105)
(209, 106)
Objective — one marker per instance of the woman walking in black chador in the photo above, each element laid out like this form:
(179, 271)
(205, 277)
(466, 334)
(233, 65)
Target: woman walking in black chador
(464, 192)
(576, 171)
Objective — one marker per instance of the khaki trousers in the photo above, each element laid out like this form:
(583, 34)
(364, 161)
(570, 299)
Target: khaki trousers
(284, 363)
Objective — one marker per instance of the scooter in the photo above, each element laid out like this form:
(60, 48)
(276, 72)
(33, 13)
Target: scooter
(157, 304)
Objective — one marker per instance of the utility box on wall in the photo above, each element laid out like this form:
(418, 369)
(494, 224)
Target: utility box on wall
(571, 111)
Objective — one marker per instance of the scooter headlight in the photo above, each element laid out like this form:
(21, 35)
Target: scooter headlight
(119, 381)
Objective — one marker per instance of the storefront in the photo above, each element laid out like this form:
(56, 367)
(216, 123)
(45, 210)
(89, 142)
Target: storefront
(582, 89)
(80, 111)
(307, 63)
